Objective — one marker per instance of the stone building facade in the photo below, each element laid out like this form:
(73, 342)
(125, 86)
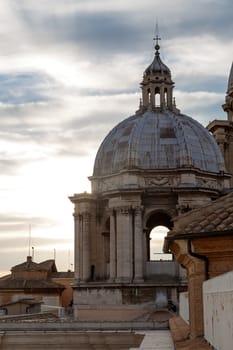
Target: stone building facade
(31, 280)
(202, 241)
(222, 130)
(151, 167)
(31, 284)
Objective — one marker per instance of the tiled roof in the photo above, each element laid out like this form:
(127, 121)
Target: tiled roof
(62, 274)
(216, 216)
(47, 265)
(23, 301)
(12, 283)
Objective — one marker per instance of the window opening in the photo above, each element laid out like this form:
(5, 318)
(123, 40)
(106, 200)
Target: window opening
(157, 236)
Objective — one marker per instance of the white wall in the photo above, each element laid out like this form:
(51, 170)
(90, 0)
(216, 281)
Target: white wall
(218, 311)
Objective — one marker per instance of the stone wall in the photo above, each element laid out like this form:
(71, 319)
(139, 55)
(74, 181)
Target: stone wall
(69, 340)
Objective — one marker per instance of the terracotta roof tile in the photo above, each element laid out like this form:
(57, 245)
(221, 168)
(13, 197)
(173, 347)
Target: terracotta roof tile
(215, 216)
(12, 283)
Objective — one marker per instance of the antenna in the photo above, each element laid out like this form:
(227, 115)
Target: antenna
(33, 251)
(68, 260)
(54, 254)
(29, 240)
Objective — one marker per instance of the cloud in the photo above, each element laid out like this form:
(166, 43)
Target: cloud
(20, 223)
(23, 88)
(201, 105)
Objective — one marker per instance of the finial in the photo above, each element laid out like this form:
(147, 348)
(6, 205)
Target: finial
(157, 38)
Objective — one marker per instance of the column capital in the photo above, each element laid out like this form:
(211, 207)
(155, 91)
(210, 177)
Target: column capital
(127, 209)
(86, 215)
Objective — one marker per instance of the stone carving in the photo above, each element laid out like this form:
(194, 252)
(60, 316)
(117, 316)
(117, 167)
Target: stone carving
(127, 210)
(207, 183)
(161, 181)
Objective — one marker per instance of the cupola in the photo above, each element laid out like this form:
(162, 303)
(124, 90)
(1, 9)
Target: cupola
(157, 85)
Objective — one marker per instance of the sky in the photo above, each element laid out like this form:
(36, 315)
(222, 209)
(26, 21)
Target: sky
(69, 72)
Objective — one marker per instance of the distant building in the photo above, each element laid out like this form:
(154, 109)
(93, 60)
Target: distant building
(30, 284)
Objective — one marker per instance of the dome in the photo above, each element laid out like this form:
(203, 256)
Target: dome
(158, 136)
(158, 140)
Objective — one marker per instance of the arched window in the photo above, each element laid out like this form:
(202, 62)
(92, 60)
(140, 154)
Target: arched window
(165, 97)
(157, 236)
(157, 97)
(149, 95)
(157, 226)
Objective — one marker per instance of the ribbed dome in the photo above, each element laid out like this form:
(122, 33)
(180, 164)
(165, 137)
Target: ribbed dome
(158, 140)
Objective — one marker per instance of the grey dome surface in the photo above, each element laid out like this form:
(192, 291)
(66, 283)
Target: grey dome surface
(158, 140)
(157, 66)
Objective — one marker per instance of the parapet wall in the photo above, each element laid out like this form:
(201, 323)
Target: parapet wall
(218, 311)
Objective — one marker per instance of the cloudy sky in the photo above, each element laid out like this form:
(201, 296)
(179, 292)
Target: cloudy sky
(69, 71)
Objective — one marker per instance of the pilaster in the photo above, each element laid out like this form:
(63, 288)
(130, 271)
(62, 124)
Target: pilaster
(124, 244)
(86, 247)
(113, 246)
(138, 245)
(196, 277)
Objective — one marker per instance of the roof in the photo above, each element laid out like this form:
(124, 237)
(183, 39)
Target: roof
(157, 66)
(23, 301)
(13, 283)
(216, 216)
(62, 274)
(29, 265)
(158, 140)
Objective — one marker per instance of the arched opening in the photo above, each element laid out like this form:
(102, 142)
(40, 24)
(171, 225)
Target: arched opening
(149, 95)
(158, 224)
(157, 236)
(157, 97)
(165, 97)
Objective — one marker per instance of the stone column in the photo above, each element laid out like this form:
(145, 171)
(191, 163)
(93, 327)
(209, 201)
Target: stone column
(138, 245)
(124, 245)
(162, 97)
(152, 96)
(145, 97)
(78, 247)
(169, 98)
(86, 248)
(113, 247)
